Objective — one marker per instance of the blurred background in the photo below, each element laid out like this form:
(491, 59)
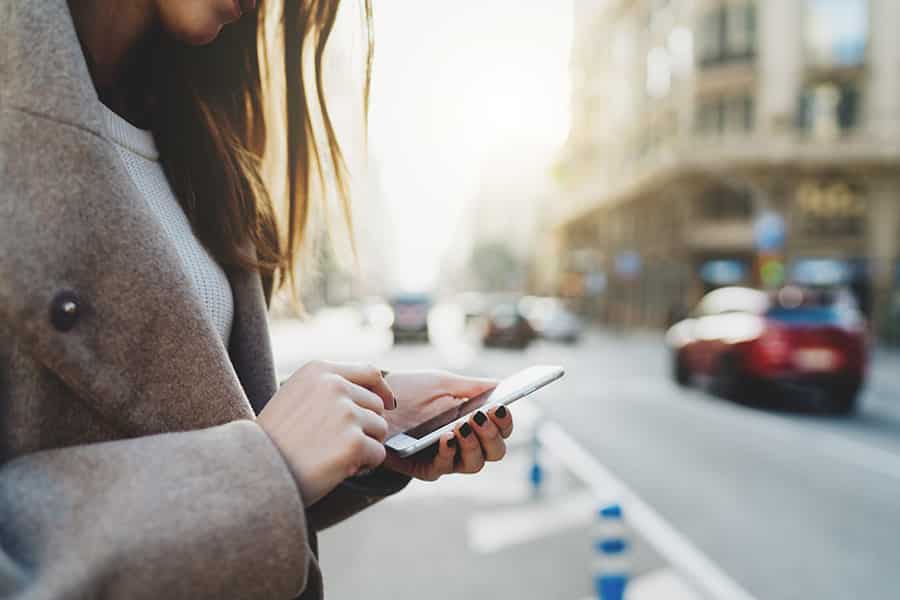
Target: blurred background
(693, 206)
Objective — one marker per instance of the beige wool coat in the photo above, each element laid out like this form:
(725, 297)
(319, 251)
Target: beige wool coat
(130, 464)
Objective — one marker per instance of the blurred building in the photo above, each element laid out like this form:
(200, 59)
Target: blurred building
(498, 226)
(504, 213)
(727, 141)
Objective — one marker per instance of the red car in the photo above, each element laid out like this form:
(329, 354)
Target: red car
(794, 346)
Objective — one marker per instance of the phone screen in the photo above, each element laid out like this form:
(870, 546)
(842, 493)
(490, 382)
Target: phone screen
(448, 416)
(511, 388)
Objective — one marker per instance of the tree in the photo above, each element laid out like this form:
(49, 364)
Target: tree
(495, 267)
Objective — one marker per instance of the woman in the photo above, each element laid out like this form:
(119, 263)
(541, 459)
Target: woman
(138, 251)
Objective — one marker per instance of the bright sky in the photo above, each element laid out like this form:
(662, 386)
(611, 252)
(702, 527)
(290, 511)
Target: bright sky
(454, 83)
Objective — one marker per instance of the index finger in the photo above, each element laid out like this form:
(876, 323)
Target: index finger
(368, 377)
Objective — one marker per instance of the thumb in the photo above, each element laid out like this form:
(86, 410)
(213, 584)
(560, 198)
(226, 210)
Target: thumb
(467, 387)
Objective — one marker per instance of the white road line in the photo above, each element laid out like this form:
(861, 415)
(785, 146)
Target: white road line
(679, 552)
(496, 530)
(663, 583)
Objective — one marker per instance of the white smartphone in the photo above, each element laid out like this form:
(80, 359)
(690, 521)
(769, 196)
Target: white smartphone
(507, 391)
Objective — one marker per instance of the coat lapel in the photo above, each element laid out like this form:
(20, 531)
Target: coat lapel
(142, 354)
(250, 345)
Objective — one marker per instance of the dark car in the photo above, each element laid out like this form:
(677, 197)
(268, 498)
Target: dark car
(410, 317)
(799, 348)
(507, 326)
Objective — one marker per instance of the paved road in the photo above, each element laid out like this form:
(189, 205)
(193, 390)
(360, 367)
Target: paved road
(791, 506)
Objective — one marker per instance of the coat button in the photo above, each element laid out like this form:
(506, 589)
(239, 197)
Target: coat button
(65, 310)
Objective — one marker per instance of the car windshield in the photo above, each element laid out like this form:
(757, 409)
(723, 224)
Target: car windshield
(505, 311)
(410, 300)
(814, 315)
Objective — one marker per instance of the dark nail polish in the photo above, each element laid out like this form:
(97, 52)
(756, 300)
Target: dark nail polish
(396, 403)
(451, 443)
(480, 418)
(465, 430)
(384, 372)
(501, 412)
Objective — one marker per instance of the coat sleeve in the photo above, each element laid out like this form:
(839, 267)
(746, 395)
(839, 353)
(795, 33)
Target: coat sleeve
(213, 513)
(354, 495)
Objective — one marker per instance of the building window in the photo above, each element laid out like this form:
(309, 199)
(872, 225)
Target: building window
(726, 204)
(710, 116)
(830, 208)
(836, 32)
(709, 48)
(828, 109)
(728, 34)
(738, 114)
(740, 31)
(726, 114)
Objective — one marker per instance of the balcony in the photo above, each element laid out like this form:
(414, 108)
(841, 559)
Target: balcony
(731, 235)
(620, 177)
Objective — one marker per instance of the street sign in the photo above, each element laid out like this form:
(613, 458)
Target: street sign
(820, 271)
(628, 264)
(769, 231)
(723, 272)
(595, 283)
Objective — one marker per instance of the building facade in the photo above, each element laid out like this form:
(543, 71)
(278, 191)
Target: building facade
(723, 142)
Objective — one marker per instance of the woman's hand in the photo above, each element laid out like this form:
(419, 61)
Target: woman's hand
(328, 422)
(422, 395)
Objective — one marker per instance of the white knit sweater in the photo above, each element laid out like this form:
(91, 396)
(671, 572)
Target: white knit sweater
(137, 149)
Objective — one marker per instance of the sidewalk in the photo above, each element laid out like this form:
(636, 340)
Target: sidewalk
(484, 537)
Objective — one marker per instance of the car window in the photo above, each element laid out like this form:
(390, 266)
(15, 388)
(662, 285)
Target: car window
(814, 315)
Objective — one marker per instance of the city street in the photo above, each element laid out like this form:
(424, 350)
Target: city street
(790, 506)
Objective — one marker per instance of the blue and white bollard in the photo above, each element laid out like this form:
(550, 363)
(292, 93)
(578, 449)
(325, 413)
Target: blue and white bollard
(611, 549)
(536, 472)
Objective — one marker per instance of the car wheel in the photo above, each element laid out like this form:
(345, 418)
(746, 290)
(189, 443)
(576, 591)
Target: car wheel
(680, 371)
(843, 398)
(727, 378)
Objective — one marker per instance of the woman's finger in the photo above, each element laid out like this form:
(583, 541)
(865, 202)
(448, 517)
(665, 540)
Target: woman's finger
(466, 387)
(368, 377)
(364, 398)
(471, 459)
(373, 454)
(492, 445)
(372, 424)
(502, 418)
(443, 460)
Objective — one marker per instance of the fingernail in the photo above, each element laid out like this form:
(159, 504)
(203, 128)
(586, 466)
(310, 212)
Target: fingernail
(480, 418)
(501, 412)
(465, 430)
(396, 404)
(385, 372)
(451, 443)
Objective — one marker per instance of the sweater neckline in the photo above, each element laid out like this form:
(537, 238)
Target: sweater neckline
(124, 134)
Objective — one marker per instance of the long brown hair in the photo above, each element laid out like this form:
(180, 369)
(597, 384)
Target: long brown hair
(212, 110)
